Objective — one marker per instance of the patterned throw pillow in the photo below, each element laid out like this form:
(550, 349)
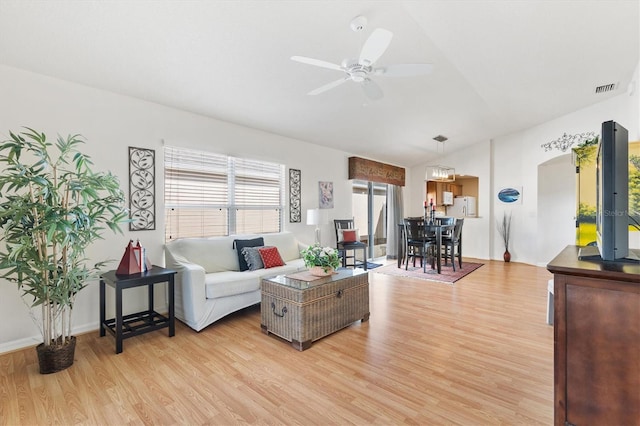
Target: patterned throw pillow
(270, 257)
(252, 257)
(240, 244)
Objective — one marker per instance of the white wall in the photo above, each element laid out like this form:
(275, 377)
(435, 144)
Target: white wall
(513, 160)
(517, 158)
(111, 123)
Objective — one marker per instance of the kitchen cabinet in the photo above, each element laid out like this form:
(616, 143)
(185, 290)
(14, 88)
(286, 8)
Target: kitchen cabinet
(435, 190)
(596, 341)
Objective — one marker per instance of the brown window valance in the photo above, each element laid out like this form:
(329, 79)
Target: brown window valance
(373, 171)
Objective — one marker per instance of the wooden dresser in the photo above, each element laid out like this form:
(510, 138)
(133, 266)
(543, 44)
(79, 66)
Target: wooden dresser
(596, 341)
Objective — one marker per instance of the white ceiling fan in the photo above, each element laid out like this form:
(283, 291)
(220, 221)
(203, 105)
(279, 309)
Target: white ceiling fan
(359, 70)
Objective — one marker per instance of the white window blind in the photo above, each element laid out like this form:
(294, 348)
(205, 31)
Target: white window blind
(210, 194)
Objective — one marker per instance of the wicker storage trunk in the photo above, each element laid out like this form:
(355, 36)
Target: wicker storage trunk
(302, 311)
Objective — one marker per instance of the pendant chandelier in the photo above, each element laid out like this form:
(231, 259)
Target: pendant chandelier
(440, 173)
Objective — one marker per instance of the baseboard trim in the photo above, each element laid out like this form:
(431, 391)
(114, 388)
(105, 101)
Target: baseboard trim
(33, 341)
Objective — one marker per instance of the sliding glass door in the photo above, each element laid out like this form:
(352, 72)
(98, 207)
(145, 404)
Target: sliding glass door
(370, 214)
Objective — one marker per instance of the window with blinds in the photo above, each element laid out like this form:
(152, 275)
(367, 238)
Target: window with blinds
(209, 194)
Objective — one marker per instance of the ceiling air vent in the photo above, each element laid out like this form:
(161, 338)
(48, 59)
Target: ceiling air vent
(440, 138)
(606, 88)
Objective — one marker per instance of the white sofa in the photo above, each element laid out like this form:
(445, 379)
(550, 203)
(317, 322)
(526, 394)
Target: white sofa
(209, 283)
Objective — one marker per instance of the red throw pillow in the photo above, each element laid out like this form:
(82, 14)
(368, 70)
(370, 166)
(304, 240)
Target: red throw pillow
(349, 236)
(270, 257)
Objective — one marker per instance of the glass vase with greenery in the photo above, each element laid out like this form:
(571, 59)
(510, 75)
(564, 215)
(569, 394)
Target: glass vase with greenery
(325, 257)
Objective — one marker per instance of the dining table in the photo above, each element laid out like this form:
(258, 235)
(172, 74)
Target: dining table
(429, 228)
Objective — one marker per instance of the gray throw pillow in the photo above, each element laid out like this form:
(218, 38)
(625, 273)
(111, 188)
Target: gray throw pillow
(252, 257)
(240, 244)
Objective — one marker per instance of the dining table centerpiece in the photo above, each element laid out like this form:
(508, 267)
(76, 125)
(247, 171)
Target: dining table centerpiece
(321, 261)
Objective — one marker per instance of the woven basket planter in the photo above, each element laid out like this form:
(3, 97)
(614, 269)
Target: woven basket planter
(319, 271)
(56, 358)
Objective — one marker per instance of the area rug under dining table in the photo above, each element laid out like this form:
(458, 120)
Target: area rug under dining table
(447, 275)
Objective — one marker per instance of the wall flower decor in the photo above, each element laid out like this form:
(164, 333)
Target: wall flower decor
(325, 195)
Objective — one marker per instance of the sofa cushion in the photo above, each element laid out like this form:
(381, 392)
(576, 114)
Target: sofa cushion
(286, 243)
(214, 254)
(270, 257)
(253, 258)
(240, 244)
(230, 283)
(288, 268)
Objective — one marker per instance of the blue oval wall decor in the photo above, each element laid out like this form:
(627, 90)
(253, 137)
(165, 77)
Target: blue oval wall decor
(509, 195)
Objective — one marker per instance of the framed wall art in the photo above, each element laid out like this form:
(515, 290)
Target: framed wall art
(295, 215)
(510, 195)
(325, 194)
(142, 189)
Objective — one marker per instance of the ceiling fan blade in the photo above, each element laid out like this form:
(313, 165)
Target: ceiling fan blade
(317, 62)
(404, 70)
(328, 86)
(371, 89)
(375, 46)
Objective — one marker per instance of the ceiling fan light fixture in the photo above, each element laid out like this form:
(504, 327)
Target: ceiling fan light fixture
(358, 70)
(358, 75)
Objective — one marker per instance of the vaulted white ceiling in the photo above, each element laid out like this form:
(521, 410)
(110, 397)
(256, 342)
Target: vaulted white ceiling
(500, 66)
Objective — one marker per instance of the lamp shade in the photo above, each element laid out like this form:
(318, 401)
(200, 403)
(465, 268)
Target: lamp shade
(313, 217)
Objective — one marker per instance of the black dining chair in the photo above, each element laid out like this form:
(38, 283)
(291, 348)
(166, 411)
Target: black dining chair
(417, 243)
(446, 221)
(452, 244)
(349, 249)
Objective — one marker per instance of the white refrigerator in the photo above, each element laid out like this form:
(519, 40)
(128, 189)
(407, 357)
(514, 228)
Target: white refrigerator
(462, 207)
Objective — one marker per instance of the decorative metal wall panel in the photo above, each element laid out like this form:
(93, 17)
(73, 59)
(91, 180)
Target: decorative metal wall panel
(295, 189)
(142, 189)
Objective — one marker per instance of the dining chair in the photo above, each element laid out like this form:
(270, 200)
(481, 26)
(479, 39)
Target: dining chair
(417, 243)
(347, 242)
(444, 221)
(453, 244)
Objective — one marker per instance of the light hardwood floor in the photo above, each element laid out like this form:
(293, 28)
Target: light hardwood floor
(478, 352)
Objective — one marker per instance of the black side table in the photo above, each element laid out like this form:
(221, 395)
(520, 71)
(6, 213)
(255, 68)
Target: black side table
(140, 322)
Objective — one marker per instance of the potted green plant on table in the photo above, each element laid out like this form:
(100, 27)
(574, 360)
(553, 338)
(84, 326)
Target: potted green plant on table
(504, 228)
(52, 207)
(321, 261)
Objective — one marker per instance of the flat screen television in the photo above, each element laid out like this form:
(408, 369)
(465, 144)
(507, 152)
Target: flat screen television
(612, 192)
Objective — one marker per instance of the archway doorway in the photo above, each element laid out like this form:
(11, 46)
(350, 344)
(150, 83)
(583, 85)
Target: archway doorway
(556, 207)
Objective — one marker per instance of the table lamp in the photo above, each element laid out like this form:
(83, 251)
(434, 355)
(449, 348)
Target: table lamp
(313, 218)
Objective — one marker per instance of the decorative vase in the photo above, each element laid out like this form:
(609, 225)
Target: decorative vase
(507, 256)
(56, 358)
(319, 271)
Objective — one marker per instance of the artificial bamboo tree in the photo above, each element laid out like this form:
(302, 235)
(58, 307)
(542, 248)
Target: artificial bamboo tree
(52, 207)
